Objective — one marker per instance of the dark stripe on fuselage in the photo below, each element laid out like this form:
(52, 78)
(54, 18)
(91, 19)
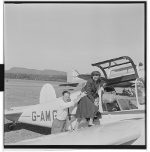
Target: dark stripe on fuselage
(124, 112)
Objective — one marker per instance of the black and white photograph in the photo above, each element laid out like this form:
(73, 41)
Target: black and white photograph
(75, 74)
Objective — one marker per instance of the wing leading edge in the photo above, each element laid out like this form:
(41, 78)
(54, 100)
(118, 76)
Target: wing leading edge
(69, 84)
(108, 134)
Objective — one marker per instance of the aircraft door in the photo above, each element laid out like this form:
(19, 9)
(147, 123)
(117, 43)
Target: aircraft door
(100, 93)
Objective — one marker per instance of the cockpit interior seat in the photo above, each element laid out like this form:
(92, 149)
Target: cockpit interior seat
(112, 107)
(126, 104)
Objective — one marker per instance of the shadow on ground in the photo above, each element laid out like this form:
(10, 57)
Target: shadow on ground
(33, 128)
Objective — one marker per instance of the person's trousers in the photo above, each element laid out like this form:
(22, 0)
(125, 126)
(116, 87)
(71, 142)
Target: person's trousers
(58, 126)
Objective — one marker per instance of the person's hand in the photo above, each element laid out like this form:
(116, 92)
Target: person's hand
(96, 100)
(114, 109)
(83, 94)
(96, 103)
(104, 84)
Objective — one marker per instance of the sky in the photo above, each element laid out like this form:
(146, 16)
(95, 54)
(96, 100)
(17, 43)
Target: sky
(71, 36)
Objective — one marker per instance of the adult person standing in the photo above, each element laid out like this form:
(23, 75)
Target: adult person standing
(59, 123)
(86, 107)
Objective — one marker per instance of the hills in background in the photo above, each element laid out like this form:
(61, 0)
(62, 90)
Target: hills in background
(36, 72)
(32, 74)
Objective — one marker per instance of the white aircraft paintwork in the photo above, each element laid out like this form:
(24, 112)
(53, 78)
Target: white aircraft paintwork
(120, 126)
(108, 134)
(41, 114)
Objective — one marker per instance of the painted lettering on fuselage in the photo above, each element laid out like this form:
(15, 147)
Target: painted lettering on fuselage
(44, 115)
(48, 116)
(54, 114)
(34, 116)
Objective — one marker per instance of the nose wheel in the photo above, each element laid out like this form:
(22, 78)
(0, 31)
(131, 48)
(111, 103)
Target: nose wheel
(12, 126)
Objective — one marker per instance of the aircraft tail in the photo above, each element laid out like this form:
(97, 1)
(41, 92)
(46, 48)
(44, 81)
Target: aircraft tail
(47, 93)
(72, 76)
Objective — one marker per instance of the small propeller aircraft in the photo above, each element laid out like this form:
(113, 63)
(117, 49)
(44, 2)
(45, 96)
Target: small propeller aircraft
(123, 115)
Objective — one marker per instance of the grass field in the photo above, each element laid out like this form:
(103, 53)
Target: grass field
(23, 93)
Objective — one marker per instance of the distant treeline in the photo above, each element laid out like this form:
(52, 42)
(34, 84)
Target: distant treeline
(60, 78)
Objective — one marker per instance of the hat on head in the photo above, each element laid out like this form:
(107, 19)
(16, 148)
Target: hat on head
(95, 73)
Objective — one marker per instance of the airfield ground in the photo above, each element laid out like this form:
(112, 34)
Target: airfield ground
(23, 93)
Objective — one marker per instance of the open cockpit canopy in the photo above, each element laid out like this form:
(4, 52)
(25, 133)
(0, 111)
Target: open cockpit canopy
(118, 70)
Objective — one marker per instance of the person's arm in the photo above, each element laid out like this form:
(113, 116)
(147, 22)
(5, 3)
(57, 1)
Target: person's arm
(65, 105)
(79, 97)
(103, 83)
(89, 91)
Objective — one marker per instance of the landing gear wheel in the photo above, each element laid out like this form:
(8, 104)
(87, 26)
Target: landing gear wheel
(11, 126)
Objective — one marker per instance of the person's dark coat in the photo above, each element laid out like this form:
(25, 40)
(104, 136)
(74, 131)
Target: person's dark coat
(86, 107)
(91, 88)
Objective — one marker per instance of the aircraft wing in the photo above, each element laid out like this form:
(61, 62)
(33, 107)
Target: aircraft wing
(124, 84)
(69, 84)
(84, 76)
(13, 115)
(88, 76)
(117, 133)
